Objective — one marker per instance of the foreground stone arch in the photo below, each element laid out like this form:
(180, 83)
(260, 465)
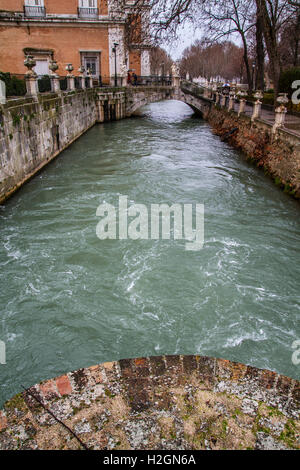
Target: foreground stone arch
(166, 402)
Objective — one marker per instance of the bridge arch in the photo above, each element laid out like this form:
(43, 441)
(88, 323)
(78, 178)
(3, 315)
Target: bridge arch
(141, 96)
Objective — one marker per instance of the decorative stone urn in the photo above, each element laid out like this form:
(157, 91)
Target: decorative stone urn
(69, 69)
(30, 62)
(258, 95)
(282, 99)
(280, 111)
(31, 76)
(241, 95)
(54, 78)
(70, 77)
(53, 66)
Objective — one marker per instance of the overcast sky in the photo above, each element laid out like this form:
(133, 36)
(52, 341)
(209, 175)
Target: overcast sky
(186, 37)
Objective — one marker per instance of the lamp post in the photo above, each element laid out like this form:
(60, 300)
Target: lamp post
(163, 71)
(115, 52)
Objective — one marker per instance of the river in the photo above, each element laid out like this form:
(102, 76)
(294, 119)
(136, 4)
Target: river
(70, 300)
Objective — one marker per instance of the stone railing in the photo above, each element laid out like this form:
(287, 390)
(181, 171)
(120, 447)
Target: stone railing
(228, 101)
(190, 87)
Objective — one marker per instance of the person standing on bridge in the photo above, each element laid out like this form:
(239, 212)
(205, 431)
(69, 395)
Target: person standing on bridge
(135, 79)
(129, 78)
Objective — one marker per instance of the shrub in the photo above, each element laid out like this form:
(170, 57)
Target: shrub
(268, 98)
(286, 80)
(14, 86)
(44, 83)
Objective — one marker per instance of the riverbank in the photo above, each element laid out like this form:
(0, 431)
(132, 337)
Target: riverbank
(277, 154)
(33, 131)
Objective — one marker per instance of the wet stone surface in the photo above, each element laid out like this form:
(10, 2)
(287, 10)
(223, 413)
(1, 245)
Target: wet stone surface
(167, 402)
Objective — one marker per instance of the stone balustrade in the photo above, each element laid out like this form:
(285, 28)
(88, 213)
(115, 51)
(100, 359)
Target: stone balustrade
(221, 99)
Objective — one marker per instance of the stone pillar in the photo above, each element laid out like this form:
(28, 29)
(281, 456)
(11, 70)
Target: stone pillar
(71, 82)
(223, 100)
(55, 85)
(124, 75)
(70, 77)
(280, 113)
(116, 46)
(257, 106)
(256, 110)
(81, 71)
(31, 84)
(218, 96)
(31, 76)
(145, 63)
(82, 78)
(101, 110)
(231, 102)
(2, 92)
(242, 106)
(91, 82)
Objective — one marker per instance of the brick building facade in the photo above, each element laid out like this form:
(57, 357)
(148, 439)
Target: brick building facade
(81, 32)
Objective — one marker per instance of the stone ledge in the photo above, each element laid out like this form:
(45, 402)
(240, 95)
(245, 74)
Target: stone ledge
(165, 402)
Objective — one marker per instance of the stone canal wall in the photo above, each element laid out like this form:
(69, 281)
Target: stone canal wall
(278, 154)
(166, 402)
(33, 131)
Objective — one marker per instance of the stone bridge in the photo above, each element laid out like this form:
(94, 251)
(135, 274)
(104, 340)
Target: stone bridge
(187, 92)
(156, 403)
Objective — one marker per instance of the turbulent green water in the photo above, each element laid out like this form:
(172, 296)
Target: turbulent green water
(69, 300)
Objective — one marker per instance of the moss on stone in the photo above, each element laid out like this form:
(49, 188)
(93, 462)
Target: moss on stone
(17, 402)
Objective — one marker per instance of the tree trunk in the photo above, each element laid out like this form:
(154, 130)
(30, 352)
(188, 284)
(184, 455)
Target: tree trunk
(246, 61)
(260, 53)
(297, 39)
(269, 30)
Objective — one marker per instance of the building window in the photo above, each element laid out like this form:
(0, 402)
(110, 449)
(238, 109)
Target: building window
(42, 67)
(42, 58)
(34, 8)
(91, 62)
(88, 9)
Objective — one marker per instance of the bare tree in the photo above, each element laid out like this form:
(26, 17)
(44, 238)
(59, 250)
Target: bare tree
(275, 14)
(224, 18)
(160, 61)
(290, 41)
(260, 52)
(265, 20)
(212, 60)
